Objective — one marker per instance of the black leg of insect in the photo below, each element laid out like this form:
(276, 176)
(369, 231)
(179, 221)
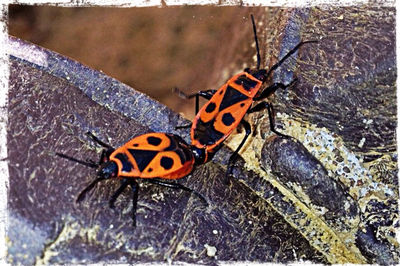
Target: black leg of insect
(184, 126)
(272, 88)
(135, 191)
(206, 94)
(122, 187)
(235, 154)
(265, 105)
(271, 116)
(176, 186)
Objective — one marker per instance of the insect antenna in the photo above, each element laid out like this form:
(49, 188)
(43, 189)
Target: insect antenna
(287, 56)
(81, 195)
(89, 164)
(256, 39)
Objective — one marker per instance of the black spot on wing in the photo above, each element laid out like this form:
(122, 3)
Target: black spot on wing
(143, 157)
(179, 146)
(210, 107)
(246, 82)
(126, 164)
(155, 141)
(205, 133)
(228, 119)
(231, 97)
(166, 162)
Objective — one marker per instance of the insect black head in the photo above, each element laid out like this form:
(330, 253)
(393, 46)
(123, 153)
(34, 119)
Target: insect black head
(259, 74)
(200, 155)
(108, 170)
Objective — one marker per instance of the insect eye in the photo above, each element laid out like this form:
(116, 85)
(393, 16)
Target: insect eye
(247, 69)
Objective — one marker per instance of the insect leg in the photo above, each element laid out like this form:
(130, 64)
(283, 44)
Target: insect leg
(234, 156)
(271, 115)
(135, 192)
(271, 89)
(259, 107)
(185, 126)
(124, 184)
(176, 186)
(206, 94)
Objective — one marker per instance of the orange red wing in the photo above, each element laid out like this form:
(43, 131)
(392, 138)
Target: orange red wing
(154, 155)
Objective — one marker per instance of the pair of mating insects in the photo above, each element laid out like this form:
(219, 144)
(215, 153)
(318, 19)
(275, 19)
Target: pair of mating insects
(155, 157)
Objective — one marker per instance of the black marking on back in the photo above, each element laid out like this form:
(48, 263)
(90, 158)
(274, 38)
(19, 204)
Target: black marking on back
(184, 155)
(179, 146)
(155, 141)
(246, 82)
(143, 157)
(206, 134)
(166, 162)
(173, 143)
(228, 119)
(188, 154)
(210, 107)
(177, 138)
(126, 164)
(231, 97)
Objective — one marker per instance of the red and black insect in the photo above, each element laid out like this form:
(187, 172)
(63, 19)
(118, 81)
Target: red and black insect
(227, 106)
(150, 157)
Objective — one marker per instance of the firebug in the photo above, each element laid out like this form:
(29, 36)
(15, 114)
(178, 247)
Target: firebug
(152, 157)
(227, 106)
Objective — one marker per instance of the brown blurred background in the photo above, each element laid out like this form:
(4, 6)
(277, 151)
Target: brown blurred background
(150, 49)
